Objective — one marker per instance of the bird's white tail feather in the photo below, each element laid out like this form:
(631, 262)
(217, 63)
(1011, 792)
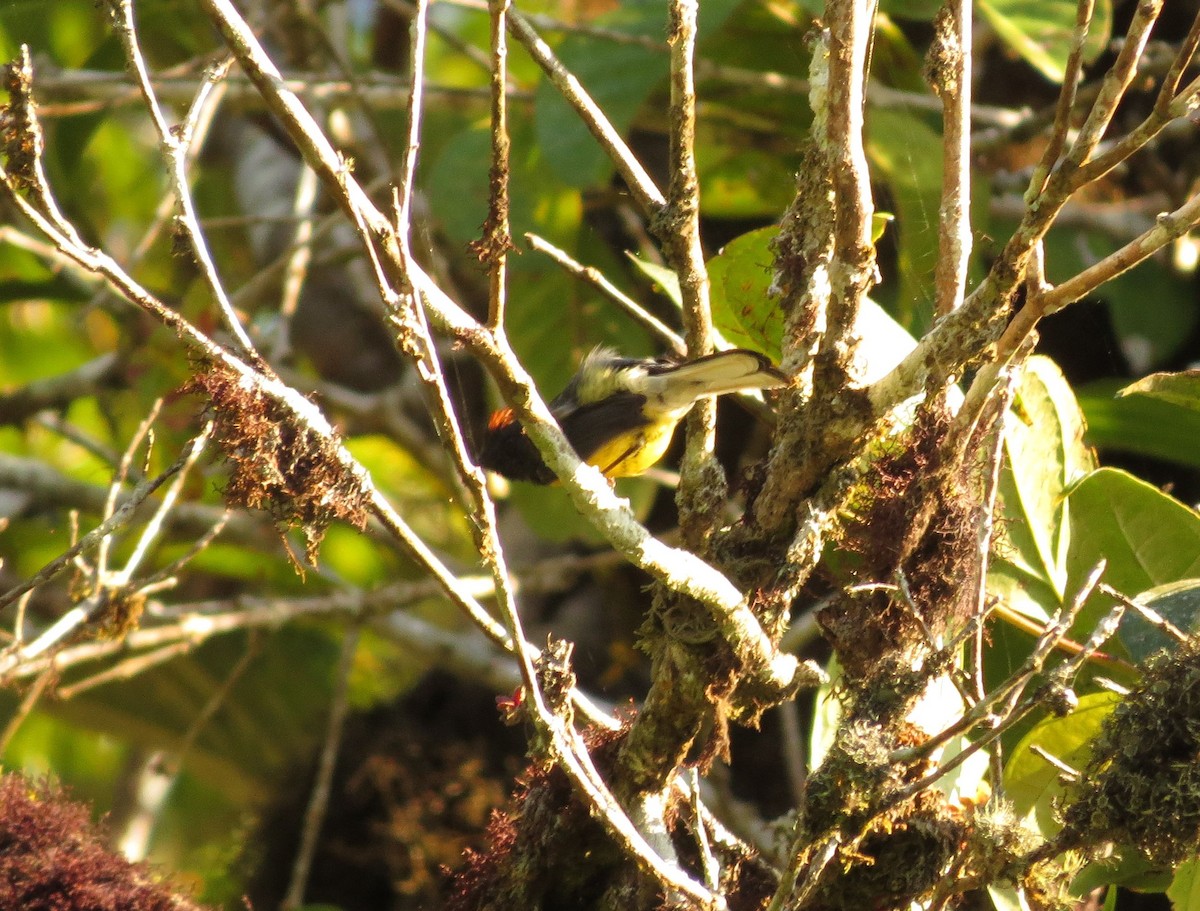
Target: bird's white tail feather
(728, 371)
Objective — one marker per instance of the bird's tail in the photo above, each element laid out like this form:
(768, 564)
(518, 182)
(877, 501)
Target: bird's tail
(676, 387)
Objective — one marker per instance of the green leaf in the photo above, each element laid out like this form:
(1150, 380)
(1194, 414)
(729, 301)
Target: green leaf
(619, 79)
(1184, 891)
(1176, 602)
(827, 714)
(459, 188)
(743, 310)
(1182, 389)
(1147, 537)
(1125, 868)
(662, 277)
(1046, 454)
(1040, 30)
(1140, 423)
(879, 223)
(1030, 781)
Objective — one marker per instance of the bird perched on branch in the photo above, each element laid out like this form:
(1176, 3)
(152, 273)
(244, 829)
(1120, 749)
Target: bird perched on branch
(619, 413)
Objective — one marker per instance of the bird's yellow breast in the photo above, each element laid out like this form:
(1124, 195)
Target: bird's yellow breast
(632, 453)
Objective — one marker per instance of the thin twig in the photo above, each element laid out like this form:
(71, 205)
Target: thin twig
(678, 227)
(640, 184)
(1066, 98)
(318, 802)
(497, 239)
(119, 517)
(1170, 226)
(144, 431)
(153, 527)
(125, 670)
(1116, 81)
(1149, 614)
(596, 278)
(176, 143)
(32, 695)
(1071, 773)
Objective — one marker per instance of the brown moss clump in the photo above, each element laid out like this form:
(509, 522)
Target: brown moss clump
(20, 132)
(913, 523)
(901, 857)
(53, 859)
(553, 854)
(278, 464)
(1142, 785)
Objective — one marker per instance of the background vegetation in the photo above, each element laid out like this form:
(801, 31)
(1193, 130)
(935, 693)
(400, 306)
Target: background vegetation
(273, 661)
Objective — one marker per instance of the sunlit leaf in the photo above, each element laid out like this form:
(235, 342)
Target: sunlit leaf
(1184, 891)
(879, 223)
(1030, 781)
(1182, 389)
(1146, 537)
(1141, 424)
(1041, 30)
(663, 278)
(743, 309)
(1006, 898)
(1045, 455)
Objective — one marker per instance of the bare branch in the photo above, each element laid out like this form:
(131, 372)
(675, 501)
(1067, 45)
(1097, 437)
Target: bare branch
(596, 278)
(1170, 227)
(950, 61)
(641, 185)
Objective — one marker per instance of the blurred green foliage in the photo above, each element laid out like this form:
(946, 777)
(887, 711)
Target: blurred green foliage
(1059, 512)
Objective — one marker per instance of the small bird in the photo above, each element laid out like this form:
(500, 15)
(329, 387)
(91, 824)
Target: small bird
(619, 413)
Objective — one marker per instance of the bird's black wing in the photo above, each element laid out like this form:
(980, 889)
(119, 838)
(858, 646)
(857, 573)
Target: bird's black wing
(589, 427)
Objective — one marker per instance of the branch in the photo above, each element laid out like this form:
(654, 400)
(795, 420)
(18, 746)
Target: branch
(640, 184)
(1170, 227)
(950, 61)
(703, 490)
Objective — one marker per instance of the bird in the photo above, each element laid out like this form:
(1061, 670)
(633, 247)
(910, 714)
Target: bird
(619, 413)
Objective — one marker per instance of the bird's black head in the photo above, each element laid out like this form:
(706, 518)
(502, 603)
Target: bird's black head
(508, 451)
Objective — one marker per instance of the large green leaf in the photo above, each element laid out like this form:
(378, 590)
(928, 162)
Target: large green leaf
(1045, 455)
(1177, 602)
(1146, 537)
(747, 314)
(1140, 423)
(743, 310)
(1041, 30)
(1030, 781)
(1184, 890)
(1182, 389)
